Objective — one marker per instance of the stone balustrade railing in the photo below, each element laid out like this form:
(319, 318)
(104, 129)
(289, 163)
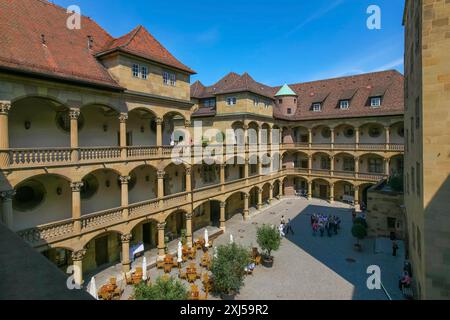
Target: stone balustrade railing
(58, 156)
(48, 232)
(101, 219)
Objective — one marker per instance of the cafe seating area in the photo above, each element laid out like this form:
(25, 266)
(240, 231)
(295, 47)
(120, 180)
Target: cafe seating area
(110, 291)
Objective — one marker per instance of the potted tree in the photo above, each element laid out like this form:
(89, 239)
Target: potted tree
(165, 288)
(359, 232)
(269, 240)
(228, 269)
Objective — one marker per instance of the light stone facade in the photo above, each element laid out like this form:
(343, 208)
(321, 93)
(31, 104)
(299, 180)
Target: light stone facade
(427, 157)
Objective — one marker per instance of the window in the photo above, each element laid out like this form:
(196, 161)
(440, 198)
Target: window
(317, 107)
(255, 102)
(231, 101)
(349, 164)
(169, 78)
(344, 104)
(144, 72)
(375, 102)
(374, 132)
(280, 101)
(209, 103)
(326, 133)
(375, 165)
(349, 132)
(325, 163)
(348, 190)
(417, 111)
(266, 105)
(136, 70)
(289, 111)
(418, 178)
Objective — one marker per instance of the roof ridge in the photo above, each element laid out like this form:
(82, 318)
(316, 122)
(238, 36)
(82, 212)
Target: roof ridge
(135, 32)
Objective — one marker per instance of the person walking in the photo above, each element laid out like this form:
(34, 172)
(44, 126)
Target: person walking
(394, 248)
(321, 229)
(281, 230)
(283, 220)
(289, 227)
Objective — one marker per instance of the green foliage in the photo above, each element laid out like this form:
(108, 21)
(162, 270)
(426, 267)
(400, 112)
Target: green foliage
(163, 289)
(358, 231)
(228, 268)
(362, 222)
(183, 236)
(268, 239)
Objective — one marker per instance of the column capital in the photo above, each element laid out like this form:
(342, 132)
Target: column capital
(245, 126)
(76, 186)
(7, 195)
(74, 114)
(124, 179)
(187, 123)
(159, 121)
(271, 187)
(78, 255)
(161, 226)
(126, 237)
(123, 117)
(189, 216)
(161, 174)
(188, 171)
(5, 106)
(223, 165)
(246, 196)
(223, 204)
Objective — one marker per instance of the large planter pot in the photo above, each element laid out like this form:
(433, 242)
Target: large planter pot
(267, 261)
(228, 296)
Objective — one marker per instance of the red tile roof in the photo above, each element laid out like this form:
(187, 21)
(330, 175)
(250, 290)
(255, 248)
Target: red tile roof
(141, 43)
(65, 53)
(329, 92)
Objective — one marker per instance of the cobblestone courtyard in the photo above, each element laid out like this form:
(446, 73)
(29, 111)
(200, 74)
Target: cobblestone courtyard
(308, 267)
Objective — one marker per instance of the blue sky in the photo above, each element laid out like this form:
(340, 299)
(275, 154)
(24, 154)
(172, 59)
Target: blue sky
(276, 41)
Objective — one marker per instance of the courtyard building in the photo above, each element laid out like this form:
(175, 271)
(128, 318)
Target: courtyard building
(427, 154)
(89, 123)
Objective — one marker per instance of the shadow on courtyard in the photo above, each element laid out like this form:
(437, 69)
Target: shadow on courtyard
(337, 253)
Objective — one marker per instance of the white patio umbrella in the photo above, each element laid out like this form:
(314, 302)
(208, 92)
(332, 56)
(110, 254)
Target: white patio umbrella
(180, 252)
(93, 289)
(231, 238)
(215, 252)
(206, 238)
(144, 269)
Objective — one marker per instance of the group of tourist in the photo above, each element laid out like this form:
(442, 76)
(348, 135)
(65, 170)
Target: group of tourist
(325, 224)
(285, 227)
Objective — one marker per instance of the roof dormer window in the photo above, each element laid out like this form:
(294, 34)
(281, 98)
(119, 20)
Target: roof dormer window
(344, 104)
(375, 102)
(231, 101)
(317, 107)
(135, 70)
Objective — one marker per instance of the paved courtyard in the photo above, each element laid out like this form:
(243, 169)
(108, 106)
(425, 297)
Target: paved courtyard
(308, 267)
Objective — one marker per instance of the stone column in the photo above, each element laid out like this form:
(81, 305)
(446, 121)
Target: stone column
(332, 138)
(331, 192)
(189, 229)
(260, 202)
(124, 180)
(246, 211)
(222, 175)
(269, 142)
(189, 182)
(161, 243)
(7, 217)
(223, 206)
(310, 164)
(356, 167)
(74, 115)
(310, 190)
(126, 262)
(246, 142)
(159, 134)
(356, 200)
(270, 194)
(259, 165)
(388, 138)
(123, 134)
(387, 169)
(160, 195)
(280, 190)
(356, 138)
(332, 165)
(5, 106)
(310, 138)
(77, 258)
(76, 205)
(246, 168)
